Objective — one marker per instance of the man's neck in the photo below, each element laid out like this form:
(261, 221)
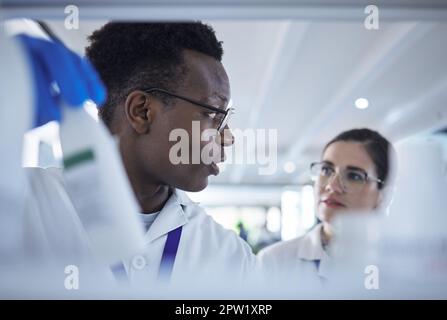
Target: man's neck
(151, 195)
(153, 198)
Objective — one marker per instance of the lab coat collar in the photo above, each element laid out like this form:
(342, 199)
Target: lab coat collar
(183, 199)
(312, 248)
(172, 216)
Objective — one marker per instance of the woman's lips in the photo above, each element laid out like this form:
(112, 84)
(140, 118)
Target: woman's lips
(331, 203)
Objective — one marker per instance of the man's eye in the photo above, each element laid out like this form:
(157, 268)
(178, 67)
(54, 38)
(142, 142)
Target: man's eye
(210, 115)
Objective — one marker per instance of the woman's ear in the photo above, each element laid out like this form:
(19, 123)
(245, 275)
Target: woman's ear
(380, 199)
(385, 198)
(138, 111)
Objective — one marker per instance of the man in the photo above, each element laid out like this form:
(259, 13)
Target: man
(162, 77)
(181, 58)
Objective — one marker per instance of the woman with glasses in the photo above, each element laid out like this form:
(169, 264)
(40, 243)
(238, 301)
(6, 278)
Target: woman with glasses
(352, 175)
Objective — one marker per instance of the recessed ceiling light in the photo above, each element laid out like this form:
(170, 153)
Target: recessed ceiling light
(361, 103)
(289, 167)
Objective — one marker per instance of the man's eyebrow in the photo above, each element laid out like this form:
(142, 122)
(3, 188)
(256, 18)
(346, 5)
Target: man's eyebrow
(223, 98)
(206, 100)
(327, 162)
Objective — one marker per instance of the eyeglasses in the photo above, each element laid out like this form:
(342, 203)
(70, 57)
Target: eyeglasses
(351, 180)
(221, 117)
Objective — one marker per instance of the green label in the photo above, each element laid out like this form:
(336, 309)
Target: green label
(78, 158)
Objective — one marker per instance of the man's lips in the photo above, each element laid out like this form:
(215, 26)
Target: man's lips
(214, 169)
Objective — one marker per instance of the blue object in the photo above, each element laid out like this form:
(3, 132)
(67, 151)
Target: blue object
(60, 76)
(169, 254)
(167, 259)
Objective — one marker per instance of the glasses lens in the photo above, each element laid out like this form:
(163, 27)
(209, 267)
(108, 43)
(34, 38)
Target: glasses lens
(354, 180)
(225, 119)
(314, 171)
(321, 172)
(219, 120)
(350, 180)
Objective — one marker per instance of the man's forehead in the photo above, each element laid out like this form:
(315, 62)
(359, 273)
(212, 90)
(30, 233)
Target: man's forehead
(206, 76)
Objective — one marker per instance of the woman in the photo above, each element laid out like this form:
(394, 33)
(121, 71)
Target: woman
(351, 176)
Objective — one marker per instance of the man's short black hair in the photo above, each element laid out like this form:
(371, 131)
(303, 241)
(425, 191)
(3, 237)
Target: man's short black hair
(131, 56)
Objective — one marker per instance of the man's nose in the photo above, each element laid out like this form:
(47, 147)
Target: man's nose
(225, 137)
(334, 184)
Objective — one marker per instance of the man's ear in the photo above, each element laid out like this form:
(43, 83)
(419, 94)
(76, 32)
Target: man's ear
(138, 111)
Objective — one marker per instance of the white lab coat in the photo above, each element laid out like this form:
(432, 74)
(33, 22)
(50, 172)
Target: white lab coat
(206, 249)
(301, 260)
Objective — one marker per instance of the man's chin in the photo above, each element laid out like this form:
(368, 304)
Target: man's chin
(195, 186)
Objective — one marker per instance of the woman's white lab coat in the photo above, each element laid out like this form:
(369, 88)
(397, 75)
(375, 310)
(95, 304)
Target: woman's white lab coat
(298, 260)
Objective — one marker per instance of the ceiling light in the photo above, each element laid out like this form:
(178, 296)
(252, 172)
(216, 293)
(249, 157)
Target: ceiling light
(361, 103)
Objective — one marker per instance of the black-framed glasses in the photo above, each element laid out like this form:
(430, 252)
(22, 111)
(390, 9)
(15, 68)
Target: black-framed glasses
(352, 180)
(221, 117)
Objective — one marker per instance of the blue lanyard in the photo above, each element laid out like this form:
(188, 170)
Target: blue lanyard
(317, 264)
(167, 259)
(169, 254)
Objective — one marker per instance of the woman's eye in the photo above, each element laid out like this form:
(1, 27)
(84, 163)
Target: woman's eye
(326, 171)
(356, 176)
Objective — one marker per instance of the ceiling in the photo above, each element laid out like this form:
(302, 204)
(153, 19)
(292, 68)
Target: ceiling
(299, 72)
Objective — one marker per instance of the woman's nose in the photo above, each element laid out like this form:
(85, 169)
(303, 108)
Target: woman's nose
(334, 184)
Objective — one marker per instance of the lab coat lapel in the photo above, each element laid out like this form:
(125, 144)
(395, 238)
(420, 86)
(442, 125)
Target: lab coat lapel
(312, 250)
(170, 217)
(324, 269)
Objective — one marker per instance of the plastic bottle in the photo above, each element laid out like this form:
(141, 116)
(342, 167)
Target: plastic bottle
(99, 188)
